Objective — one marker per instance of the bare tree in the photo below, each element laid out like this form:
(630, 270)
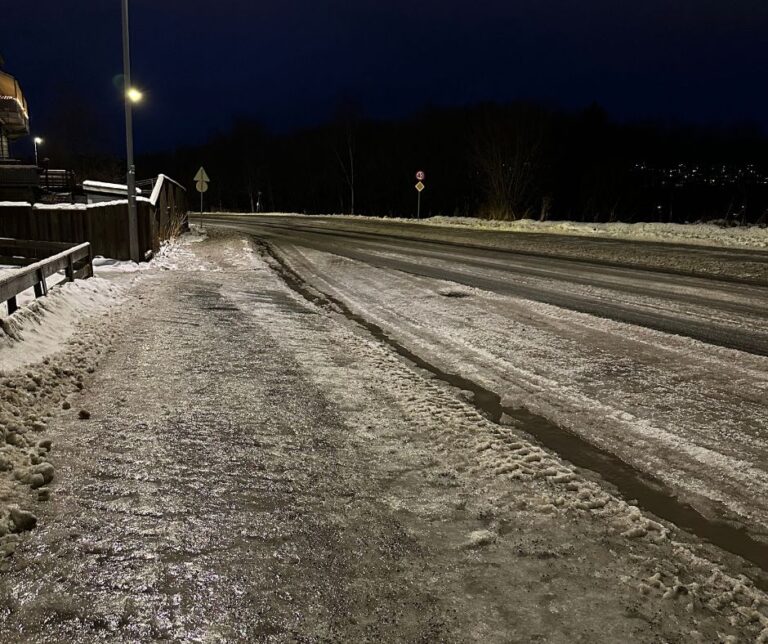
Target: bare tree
(509, 157)
(345, 149)
(346, 161)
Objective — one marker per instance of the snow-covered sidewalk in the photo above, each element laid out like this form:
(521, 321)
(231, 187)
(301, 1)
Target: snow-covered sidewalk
(251, 467)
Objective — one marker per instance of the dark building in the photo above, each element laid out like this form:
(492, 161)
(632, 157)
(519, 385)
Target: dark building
(17, 182)
(14, 116)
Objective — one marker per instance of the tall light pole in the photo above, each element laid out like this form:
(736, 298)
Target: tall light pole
(131, 96)
(38, 141)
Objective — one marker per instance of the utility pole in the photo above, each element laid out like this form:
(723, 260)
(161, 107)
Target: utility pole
(133, 219)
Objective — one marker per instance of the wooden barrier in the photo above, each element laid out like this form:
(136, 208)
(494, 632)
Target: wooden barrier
(104, 225)
(76, 262)
(170, 201)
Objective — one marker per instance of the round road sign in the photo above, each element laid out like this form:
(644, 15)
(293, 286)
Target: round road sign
(420, 175)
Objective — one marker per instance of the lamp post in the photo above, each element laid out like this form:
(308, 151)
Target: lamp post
(38, 141)
(132, 95)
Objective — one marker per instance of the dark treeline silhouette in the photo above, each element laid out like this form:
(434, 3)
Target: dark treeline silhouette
(494, 161)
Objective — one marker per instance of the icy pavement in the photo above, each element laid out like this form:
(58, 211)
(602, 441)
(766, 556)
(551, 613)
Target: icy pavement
(254, 468)
(699, 233)
(731, 253)
(690, 414)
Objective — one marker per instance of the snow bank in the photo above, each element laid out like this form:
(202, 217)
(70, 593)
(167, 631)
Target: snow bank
(45, 353)
(703, 234)
(43, 325)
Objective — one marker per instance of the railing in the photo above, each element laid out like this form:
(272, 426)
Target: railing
(53, 180)
(146, 185)
(38, 265)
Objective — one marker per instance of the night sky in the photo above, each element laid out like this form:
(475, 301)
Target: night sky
(289, 63)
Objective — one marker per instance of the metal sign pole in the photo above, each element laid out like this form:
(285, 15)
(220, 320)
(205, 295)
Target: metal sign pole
(201, 183)
(420, 176)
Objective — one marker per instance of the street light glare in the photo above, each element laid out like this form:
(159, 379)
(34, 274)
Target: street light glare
(38, 140)
(134, 95)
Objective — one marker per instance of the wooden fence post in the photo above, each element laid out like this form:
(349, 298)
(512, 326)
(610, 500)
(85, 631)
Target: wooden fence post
(41, 286)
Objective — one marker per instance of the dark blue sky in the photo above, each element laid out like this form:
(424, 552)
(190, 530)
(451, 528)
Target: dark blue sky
(288, 63)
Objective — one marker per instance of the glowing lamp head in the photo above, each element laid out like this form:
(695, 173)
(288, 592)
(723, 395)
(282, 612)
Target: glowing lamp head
(38, 140)
(134, 95)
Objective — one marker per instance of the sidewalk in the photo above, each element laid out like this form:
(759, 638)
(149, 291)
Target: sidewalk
(257, 469)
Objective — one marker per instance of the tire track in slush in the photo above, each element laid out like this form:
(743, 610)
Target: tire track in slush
(650, 493)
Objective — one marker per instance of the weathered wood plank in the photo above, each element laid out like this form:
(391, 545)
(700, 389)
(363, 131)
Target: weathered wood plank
(34, 275)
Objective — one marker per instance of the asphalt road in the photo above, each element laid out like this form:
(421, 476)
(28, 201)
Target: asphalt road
(715, 310)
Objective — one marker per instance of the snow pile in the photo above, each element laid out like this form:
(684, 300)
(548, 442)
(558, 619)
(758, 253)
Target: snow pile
(29, 395)
(41, 327)
(700, 234)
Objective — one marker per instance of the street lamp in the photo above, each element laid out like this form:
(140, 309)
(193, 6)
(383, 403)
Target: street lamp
(132, 95)
(38, 141)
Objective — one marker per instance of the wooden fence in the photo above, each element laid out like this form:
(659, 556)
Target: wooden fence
(169, 199)
(104, 225)
(76, 262)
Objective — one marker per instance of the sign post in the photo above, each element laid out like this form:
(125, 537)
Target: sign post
(201, 183)
(420, 176)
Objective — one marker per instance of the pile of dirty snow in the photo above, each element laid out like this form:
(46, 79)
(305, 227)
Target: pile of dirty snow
(28, 398)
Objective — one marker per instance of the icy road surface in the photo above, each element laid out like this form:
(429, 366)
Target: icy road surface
(257, 469)
(668, 372)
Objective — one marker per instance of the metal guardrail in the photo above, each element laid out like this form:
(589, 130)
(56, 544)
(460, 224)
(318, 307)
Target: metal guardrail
(76, 262)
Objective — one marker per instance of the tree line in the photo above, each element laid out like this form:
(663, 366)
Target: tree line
(495, 161)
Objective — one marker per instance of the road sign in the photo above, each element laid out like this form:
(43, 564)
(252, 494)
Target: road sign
(201, 183)
(202, 175)
(420, 176)
(420, 186)
(201, 180)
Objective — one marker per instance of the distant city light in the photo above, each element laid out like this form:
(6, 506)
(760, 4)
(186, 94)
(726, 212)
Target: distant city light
(134, 95)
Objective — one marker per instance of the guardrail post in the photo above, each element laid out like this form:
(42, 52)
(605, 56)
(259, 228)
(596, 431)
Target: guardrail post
(70, 269)
(12, 305)
(41, 286)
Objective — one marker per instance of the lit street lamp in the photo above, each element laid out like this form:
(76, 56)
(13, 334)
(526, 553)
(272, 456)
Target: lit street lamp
(38, 141)
(132, 95)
